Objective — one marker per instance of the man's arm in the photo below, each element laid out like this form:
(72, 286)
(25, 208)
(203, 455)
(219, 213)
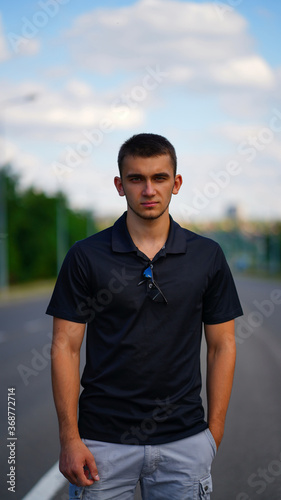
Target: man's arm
(74, 456)
(221, 354)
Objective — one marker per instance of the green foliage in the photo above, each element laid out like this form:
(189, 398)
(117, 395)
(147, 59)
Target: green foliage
(40, 229)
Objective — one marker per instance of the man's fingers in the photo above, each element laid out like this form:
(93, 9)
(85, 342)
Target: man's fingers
(92, 468)
(78, 475)
(82, 480)
(77, 464)
(79, 479)
(84, 476)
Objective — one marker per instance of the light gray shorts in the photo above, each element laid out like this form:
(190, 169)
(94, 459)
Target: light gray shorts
(180, 470)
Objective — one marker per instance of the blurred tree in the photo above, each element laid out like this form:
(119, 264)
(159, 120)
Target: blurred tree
(36, 228)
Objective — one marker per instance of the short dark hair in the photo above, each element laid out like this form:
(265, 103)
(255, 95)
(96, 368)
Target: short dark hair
(146, 146)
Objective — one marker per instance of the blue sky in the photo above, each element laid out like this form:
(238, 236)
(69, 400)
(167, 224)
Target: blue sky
(204, 74)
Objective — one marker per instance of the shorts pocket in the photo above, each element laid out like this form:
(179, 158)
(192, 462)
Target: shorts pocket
(75, 492)
(212, 440)
(205, 487)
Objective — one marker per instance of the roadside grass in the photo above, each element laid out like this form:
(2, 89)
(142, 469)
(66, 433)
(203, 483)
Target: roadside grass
(27, 290)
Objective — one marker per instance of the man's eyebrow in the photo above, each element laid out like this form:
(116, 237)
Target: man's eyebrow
(162, 174)
(158, 174)
(134, 175)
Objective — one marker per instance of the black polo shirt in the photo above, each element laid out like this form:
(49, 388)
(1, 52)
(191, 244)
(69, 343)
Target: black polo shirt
(142, 377)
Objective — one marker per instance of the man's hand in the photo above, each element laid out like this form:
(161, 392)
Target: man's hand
(217, 433)
(77, 463)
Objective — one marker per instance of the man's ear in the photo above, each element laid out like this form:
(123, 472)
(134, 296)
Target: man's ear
(119, 186)
(177, 184)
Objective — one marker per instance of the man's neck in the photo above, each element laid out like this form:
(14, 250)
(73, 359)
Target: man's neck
(149, 235)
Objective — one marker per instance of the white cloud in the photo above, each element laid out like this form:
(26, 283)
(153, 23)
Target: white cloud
(255, 141)
(29, 47)
(58, 124)
(251, 71)
(77, 106)
(187, 39)
(32, 169)
(237, 133)
(4, 53)
(21, 46)
(8, 151)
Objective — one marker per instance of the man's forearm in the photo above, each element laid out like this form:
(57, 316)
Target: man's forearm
(66, 388)
(220, 372)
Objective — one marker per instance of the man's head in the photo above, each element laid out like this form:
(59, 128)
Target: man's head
(148, 178)
(147, 146)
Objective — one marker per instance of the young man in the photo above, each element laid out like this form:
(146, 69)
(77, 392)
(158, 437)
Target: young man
(144, 287)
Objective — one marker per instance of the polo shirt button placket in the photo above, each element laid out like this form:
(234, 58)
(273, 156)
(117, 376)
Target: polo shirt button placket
(150, 285)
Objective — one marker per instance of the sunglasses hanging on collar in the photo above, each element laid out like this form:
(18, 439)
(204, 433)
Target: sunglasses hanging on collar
(154, 291)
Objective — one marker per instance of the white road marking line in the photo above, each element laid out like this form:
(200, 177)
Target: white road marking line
(47, 486)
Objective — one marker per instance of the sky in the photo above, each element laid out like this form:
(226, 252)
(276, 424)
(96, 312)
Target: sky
(79, 78)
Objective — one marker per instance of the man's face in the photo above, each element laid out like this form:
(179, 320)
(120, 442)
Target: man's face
(148, 184)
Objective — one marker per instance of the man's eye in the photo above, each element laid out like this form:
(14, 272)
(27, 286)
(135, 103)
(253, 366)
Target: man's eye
(135, 179)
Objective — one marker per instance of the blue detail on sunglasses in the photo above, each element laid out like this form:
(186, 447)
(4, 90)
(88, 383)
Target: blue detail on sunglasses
(154, 291)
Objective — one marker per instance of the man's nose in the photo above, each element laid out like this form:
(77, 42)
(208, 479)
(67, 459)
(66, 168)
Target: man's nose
(148, 189)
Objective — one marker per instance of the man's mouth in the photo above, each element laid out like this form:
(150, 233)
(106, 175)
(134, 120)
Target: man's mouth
(149, 203)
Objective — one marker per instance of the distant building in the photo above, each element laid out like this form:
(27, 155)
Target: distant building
(233, 212)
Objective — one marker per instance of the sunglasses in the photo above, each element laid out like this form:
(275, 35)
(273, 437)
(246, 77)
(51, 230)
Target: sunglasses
(154, 291)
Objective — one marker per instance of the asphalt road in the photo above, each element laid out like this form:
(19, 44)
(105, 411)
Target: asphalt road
(248, 464)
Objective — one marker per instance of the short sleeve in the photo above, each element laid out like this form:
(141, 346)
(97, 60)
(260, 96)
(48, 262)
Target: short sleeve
(220, 301)
(71, 293)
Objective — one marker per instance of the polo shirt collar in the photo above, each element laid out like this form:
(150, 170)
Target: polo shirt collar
(123, 243)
